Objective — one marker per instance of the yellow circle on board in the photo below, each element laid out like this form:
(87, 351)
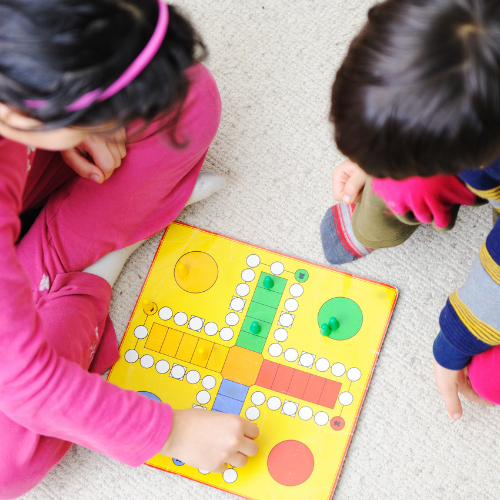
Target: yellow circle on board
(196, 272)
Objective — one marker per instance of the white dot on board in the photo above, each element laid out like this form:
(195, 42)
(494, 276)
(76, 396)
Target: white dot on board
(242, 289)
(232, 319)
(338, 369)
(280, 334)
(354, 374)
(230, 475)
(322, 364)
(203, 471)
(147, 361)
(305, 413)
(345, 399)
(253, 260)
(296, 290)
(258, 398)
(177, 372)
(252, 413)
(208, 382)
(321, 418)
(211, 328)
(286, 319)
(291, 355)
(291, 305)
(237, 304)
(289, 408)
(248, 275)
(193, 377)
(180, 318)
(141, 332)
(226, 334)
(275, 350)
(277, 268)
(165, 313)
(195, 323)
(131, 356)
(306, 359)
(274, 403)
(203, 397)
(162, 366)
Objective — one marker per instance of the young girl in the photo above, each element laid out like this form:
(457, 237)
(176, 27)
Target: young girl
(416, 105)
(73, 73)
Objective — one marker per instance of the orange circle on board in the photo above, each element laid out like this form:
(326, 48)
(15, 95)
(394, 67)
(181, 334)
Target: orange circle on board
(201, 273)
(290, 463)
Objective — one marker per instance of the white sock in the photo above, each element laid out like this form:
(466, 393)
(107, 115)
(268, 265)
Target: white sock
(206, 185)
(110, 266)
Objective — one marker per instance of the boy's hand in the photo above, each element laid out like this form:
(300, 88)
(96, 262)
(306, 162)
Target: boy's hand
(348, 180)
(453, 382)
(97, 156)
(210, 440)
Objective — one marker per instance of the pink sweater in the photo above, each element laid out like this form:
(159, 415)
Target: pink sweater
(41, 390)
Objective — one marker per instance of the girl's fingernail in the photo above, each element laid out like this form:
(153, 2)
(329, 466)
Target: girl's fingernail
(456, 416)
(96, 178)
(347, 199)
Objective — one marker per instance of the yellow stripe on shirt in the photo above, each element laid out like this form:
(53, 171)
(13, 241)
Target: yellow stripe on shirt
(478, 328)
(489, 194)
(491, 267)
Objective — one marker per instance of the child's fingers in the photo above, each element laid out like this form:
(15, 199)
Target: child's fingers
(452, 401)
(250, 430)
(249, 447)
(238, 460)
(353, 186)
(82, 166)
(471, 395)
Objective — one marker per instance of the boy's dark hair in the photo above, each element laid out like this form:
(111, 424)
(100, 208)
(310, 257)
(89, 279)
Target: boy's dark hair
(58, 50)
(419, 90)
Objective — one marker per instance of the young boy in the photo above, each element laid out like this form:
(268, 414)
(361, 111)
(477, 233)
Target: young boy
(416, 109)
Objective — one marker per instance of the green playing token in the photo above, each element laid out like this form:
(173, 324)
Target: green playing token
(268, 282)
(255, 328)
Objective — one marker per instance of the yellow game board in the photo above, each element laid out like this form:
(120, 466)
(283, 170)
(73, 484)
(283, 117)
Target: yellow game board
(226, 326)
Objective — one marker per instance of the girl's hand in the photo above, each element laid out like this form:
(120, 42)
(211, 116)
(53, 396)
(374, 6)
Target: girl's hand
(97, 156)
(348, 180)
(210, 440)
(453, 382)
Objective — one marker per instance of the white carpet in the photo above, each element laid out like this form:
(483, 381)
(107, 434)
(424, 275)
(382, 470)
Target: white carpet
(274, 61)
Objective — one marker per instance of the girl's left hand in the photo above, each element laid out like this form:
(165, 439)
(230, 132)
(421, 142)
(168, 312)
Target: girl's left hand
(453, 382)
(97, 156)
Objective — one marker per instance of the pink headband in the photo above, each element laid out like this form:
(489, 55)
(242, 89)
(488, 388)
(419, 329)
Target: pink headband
(142, 60)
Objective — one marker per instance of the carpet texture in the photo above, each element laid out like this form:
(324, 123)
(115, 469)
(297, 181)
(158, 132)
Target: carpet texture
(274, 61)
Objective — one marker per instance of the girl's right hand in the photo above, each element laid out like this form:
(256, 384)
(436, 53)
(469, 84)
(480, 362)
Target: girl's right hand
(348, 180)
(210, 440)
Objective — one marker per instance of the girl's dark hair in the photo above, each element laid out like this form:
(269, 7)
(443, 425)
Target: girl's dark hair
(419, 90)
(58, 50)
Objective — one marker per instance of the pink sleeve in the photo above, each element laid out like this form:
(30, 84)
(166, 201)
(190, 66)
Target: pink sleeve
(430, 199)
(46, 393)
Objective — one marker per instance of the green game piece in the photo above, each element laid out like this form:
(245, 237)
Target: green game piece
(333, 323)
(268, 282)
(325, 330)
(255, 328)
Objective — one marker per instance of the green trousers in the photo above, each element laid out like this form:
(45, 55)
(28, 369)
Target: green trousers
(376, 226)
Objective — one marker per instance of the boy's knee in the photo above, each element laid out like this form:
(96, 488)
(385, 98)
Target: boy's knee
(483, 375)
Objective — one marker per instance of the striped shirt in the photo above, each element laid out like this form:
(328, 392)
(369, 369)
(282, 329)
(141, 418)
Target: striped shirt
(470, 320)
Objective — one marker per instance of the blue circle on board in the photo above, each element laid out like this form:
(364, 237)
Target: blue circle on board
(150, 395)
(177, 462)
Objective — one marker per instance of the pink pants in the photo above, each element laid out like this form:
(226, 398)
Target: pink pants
(484, 374)
(81, 222)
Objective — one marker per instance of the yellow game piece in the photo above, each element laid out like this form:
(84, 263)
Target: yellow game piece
(148, 307)
(182, 269)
